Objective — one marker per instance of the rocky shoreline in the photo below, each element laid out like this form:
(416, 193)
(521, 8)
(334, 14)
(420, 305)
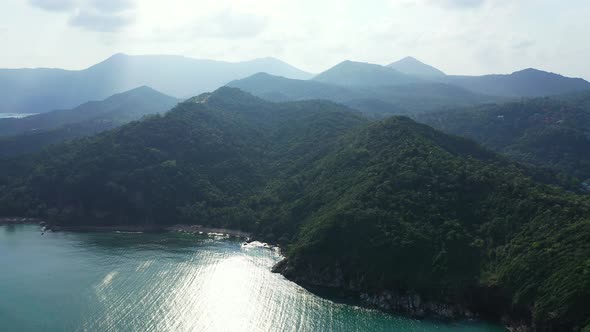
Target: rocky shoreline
(407, 303)
(182, 228)
(19, 221)
(199, 229)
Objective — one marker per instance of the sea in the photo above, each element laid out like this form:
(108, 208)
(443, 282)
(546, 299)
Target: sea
(67, 281)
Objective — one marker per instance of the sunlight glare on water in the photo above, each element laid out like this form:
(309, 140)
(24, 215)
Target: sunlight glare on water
(165, 282)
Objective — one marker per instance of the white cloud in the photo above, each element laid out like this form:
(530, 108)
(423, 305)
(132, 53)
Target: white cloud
(54, 5)
(458, 36)
(95, 20)
(93, 15)
(228, 24)
(112, 6)
(459, 3)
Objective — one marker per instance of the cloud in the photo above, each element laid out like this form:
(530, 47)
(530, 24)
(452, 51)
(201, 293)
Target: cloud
(113, 6)
(460, 4)
(93, 15)
(228, 24)
(94, 20)
(54, 5)
(523, 45)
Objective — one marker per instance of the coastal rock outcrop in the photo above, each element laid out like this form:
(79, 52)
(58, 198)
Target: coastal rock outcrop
(409, 302)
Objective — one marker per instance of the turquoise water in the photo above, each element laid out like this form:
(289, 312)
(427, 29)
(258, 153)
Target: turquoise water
(165, 282)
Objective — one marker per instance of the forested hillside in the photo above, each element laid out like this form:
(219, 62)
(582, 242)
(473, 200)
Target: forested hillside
(524, 83)
(389, 207)
(402, 208)
(548, 132)
(32, 133)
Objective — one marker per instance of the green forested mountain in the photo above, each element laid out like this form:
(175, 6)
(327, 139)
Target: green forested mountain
(122, 107)
(350, 73)
(549, 132)
(391, 208)
(373, 100)
(402, 207)
(214, 149)
(278, 89)
(31, 133)
(43, 89)
(525, 83)
(411, 72)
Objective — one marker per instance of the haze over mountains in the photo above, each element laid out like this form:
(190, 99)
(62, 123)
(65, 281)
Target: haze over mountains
(373, 100)
(355, 83)
(528, 83)
(42, 90)
(360, 74)
(412, 66)
(29, 134)
(407, 87)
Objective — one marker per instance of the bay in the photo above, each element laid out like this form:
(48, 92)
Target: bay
(166, 282)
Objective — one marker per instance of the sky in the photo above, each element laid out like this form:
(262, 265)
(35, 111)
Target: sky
(470, 37)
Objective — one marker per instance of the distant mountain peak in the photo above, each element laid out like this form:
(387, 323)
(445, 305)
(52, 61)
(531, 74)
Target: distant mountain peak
(141, 92)
(352, 73)
(119, 55)
(529, 82)
(143, 88)
(269, 59)
(410, 59)
(355, 63)
(412, 66)
(226, 95)
(350, 67)
(228, 92)
(261, 75)
(534, 71)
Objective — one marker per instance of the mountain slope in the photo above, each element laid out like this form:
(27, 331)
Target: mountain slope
(412, 66)
(524, 83)
(371, 100)
(212, 149)
(32, 133)
(276, 88)
(121, 107)
(546, 132)
(41, 90)
(423, 223)
(350, 73)
(408, 218)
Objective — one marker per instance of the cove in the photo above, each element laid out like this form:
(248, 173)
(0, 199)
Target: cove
(69, 281)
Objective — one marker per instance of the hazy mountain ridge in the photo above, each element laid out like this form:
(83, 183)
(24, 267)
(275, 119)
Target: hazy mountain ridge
(31, 133)
(418, 97)
(41, 90)
(350, 73)
(412, 66)
(525, 83)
